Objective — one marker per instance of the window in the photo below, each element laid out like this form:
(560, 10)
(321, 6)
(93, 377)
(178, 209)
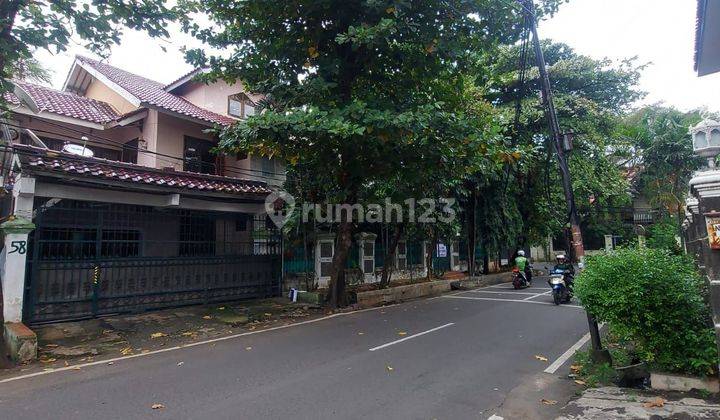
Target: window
(130, 151)
(241, 223)
(240, 106)
(198, 157)
(65, 243)
(197, 236)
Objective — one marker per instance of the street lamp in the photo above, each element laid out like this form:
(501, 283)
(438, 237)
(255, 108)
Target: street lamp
(706, 140)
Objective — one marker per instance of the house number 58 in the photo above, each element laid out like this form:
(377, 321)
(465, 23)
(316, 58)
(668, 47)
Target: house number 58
(17, 246)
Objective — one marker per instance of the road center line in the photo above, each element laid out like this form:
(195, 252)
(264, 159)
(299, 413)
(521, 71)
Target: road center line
(411, 337)
(510, 300)
(568, 354)
(509, 292)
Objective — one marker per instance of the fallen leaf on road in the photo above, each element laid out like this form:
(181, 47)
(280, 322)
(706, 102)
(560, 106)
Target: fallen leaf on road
(126, 351)
(157, 406)
(66, 363)
(111, 363)
(222, 308)
(248, 348)
(207, 317)
(361, 333)
(48, 360)
(50, 345)
(158, 335)
(180, 363)
(390, 368)
(268, 314)
(145, 351)
(188, 333)
(579, 382)
(541, 358)
(548, 402)
(655, 402)
(402, 333)
(76, 368)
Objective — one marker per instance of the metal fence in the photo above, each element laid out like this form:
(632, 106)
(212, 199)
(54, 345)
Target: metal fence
(88, 259)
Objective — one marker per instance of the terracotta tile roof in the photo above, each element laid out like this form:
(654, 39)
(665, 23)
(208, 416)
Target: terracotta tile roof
(153, 93)
(43, 161)
(65, 103)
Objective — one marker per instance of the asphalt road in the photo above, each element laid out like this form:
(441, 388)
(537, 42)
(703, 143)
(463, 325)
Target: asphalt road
(474, 348)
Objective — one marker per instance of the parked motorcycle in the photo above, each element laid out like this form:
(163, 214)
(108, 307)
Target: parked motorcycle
(561, 290)
(519, 280)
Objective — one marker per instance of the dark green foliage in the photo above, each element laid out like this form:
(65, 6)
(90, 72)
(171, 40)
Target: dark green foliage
(662, 235)
(591, 96)
(654, 300)
(29, 25)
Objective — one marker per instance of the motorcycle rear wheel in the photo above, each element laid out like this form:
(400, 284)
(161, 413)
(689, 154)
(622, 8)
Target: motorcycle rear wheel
(557, 298)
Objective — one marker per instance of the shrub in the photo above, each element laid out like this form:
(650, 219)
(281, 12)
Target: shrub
(653, 299)
(663, 235)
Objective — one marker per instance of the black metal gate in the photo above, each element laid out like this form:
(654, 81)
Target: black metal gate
(89, 259)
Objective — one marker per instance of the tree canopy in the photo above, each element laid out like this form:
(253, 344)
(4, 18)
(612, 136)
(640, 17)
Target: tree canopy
(26, 26)
(359, 93)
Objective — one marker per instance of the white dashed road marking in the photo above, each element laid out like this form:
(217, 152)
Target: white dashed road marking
(411, 337)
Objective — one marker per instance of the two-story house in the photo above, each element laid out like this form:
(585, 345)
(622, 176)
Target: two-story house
(132, 207)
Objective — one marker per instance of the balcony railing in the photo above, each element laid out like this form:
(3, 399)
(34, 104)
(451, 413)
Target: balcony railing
(643, 216)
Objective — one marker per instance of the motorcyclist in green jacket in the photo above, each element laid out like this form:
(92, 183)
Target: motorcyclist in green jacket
(523, 264)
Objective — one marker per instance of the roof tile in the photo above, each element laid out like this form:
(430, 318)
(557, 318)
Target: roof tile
(65, 103)
(153, 93)
(40, 160)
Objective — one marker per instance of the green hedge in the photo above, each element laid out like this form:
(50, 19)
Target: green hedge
(653, 299)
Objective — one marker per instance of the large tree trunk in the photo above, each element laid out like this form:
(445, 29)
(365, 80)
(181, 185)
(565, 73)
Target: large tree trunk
(430, 254)
(337, 298)
(390, 256)
(338, 282)
(472, 231)
(486, 258)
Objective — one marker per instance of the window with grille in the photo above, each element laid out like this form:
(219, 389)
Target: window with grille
(197, 236)
(71, 243)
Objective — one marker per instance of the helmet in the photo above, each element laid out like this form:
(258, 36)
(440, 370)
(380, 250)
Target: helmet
(560, 257)
(521, 253)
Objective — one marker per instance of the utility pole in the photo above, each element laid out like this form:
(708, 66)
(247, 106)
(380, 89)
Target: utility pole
(598, 354)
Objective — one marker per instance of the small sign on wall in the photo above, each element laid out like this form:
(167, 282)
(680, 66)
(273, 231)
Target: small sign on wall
(441, 251)
(713, 229)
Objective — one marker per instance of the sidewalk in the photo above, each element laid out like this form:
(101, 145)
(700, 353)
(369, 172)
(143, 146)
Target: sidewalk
(622, 403)
(68, 343)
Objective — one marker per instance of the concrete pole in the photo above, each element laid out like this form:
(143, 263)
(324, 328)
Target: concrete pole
(14, 257)
(705, 187)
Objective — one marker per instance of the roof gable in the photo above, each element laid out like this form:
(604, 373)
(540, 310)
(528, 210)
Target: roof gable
(63, 103)
(139, 90)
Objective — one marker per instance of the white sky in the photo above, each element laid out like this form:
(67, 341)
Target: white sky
(657, 31)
